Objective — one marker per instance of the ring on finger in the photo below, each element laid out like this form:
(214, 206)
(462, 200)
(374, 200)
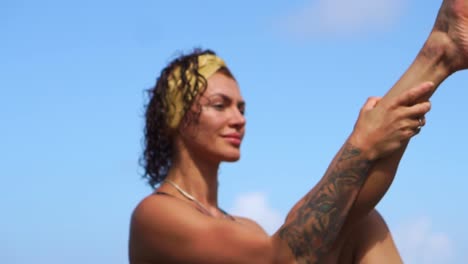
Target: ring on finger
(421, 124)
(420, 120)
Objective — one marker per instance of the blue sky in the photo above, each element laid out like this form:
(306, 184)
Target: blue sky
(72, 82)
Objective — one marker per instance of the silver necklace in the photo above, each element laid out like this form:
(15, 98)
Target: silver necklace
(188, 196)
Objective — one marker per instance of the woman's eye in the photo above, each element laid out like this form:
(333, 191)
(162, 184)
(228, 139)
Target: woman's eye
(218, 106)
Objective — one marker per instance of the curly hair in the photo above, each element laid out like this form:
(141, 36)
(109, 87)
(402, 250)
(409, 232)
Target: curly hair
(158, 147)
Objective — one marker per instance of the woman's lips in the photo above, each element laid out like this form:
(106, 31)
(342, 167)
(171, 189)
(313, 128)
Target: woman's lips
(234, 139)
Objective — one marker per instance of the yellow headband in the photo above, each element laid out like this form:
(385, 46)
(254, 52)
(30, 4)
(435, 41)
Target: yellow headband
(208, 65)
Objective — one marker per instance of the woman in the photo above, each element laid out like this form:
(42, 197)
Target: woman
(195, 121)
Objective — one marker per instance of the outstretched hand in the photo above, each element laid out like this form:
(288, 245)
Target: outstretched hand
(384, 127)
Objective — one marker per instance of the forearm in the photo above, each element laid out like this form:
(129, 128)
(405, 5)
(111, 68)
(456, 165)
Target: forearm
(314, 223)
(352, 186)
(444, 53)
(431, 64)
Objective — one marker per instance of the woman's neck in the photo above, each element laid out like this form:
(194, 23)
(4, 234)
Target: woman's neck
(198, 177)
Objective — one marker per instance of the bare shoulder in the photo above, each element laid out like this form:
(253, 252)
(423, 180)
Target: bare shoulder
(153, 205)
(251, 224)
(168, 230)
(152, 221)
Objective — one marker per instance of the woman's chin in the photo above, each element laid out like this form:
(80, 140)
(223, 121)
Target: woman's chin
(231, 160)
(232, 157)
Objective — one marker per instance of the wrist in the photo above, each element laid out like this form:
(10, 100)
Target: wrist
(363, 144)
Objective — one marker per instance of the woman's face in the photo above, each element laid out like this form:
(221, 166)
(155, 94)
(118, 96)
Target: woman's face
(218, 132)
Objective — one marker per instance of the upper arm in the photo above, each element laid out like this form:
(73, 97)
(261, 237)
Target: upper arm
(170, 231)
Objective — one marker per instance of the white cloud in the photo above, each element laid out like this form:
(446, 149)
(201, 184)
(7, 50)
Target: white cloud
(341, 17)
(255, 206)
(420, 244)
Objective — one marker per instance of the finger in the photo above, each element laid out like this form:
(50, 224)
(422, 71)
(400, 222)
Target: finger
(422, 121)
(413, 123)
(371, 102)
(417, 110)
(408, 133)
(416, 126)
(415, 94)
(411, 132)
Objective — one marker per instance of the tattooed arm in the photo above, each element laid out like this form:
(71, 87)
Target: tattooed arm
(444, 53)
(319, 216)
(314, 223)
(167, 230)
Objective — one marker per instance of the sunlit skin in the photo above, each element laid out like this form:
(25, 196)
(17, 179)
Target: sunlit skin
(201, 145)
(335, 221)
(217, 134)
